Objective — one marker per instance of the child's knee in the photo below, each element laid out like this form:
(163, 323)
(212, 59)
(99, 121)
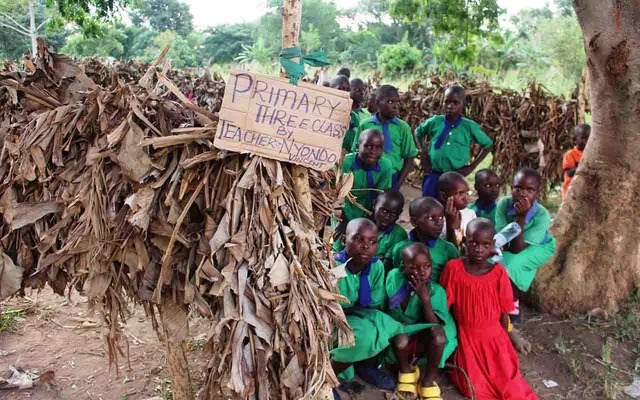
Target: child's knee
(401, 342)
(438, 338)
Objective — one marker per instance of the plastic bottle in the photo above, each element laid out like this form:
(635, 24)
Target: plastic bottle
(507, 234)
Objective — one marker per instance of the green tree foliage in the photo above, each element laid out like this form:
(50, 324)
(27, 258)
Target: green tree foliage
(527, 20)
(182, 53)
(565, 8)
(257, 53)
(561, 40)
(399, 58)
(109, 44)
(88, 14)
(223, 43)
(137, 39)
(164, 15)
(361, 48)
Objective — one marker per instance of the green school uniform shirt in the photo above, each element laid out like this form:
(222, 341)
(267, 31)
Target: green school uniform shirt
(381, 181)
(483, 213)
(441, 252)
(386, 241)
(522, 267)
(413, 314)
(455, 152)
(347, 141)
(363, 114)
(350, 286)
(404, 145)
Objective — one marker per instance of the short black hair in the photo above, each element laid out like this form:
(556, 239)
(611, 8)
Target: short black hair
(339, 80)
(357, 223)
(369, 132)
(480, 224)
(457, 90)
(386, 91)
(345, 72)
(357, 81)
(372, 96)
(447, 179)
(582, 129)
(529, 173)
(415, 248)
(426, 203)
(393, 195)
(484, 174)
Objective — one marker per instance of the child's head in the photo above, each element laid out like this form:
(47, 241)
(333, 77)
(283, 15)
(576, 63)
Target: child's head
(370, 146)
(453, 184)
(344, 71)
(416, 261)
(388, 101)
(526, 184)
(487, 184)
(581, 135)
(358, 90)
(454, 98)
(389, 205)
(479, 240)
(361, 240)
(340, 82)
(427, 216)
(372, 103)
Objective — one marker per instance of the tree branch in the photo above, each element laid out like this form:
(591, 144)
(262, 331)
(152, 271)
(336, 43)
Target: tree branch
(43, 22)
(15, 29)
(18, 25)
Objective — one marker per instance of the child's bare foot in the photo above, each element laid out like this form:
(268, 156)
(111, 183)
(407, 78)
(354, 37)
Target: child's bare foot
(521, 344)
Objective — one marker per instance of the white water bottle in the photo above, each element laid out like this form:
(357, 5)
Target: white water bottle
(507, 234)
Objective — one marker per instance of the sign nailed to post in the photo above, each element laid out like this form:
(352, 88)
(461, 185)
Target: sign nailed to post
(269, 117)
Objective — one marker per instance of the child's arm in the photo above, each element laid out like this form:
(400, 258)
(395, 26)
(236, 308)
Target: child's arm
(478, 136)
(518, 244)
(571, 172)
(569, 164)
(467, 170)
(452, 216)
(422, 290)
(504, 321)
(407, 167)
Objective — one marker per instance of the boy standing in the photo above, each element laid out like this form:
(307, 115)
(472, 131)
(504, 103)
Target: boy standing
(572, 157)
(451, 137)
(358, 93)
(399, 146)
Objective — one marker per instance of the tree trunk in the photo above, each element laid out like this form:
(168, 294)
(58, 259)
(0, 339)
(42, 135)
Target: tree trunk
(176, 329)
(32, 28)
(597, 257)
(583, 95)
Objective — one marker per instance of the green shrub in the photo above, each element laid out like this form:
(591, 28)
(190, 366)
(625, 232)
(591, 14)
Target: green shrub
(399, 58)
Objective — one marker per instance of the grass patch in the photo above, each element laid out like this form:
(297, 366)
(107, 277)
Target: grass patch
(10, 318)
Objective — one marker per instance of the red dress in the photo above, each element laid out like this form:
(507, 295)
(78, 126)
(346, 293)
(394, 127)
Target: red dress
(484, 352)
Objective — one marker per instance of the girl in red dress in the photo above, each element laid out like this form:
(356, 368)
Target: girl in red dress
(480, 296)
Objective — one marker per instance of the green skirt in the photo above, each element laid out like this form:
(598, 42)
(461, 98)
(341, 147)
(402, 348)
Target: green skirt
(522, 267)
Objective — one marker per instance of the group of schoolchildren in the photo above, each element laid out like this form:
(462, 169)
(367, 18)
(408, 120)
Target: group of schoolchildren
(446, 291)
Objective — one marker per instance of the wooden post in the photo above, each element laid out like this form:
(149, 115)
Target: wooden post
(175, 327)
(291, 18)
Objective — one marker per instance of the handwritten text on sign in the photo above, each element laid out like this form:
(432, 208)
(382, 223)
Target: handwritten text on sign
(268, 116)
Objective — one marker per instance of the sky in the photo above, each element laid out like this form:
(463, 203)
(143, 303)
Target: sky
(215, 12)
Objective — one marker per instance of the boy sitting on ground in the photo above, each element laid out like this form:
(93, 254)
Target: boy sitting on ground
(454, 194)
(487, 185)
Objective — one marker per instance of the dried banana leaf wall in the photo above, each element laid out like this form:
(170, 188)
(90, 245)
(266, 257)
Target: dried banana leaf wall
(113, 187)
(530, 129)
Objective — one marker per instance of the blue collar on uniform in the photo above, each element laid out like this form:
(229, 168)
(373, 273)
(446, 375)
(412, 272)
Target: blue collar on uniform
(357, 165)
(364, 293)
(388, 230)
(358, 109)
(388, 145)
(430, 243)
(530, 214)
(448, 127)
(487, 209)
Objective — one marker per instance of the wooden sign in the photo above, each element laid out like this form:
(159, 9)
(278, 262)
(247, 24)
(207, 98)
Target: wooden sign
(267, 116)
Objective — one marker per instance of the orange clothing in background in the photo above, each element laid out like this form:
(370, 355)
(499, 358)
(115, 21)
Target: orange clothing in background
(571, 160)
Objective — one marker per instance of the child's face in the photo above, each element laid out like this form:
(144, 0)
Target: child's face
(453, 104)
(389, 107)
(418, 265)
(429, 222)
(370, 148)
(581, 139)
(525, 187)
(459, 190)
(488, 188)
(386, 212)
(344, 86)
(479, 244)
(372, 105)
(358, 93)
(362, 245)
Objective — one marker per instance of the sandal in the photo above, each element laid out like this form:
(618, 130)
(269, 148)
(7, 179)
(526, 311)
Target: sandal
(408, 383)
(430, 392)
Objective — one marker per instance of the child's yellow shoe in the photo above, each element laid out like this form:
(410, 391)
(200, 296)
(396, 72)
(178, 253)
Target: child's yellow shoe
(430, 392)
(408, 383)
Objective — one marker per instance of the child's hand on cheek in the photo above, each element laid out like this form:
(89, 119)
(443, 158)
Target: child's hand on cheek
(419, 285)
(522, 207)
(452, 215)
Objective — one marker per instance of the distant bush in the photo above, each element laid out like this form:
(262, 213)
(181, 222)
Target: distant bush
(398, 58)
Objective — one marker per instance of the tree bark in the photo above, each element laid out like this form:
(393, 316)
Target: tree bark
(583, 95)
(175, 327)
(32, 28)
(597, 257)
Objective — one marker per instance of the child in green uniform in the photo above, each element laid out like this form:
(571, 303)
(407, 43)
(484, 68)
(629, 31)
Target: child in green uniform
(363, 286)
(386, 212)
(451, 136)
(427, 217)
(534, 246)
(371, 173)
(454, 194)
(415, 299)
(487, 185)
(399, 145)
(358, 94)
(341, 82)
(372, 105)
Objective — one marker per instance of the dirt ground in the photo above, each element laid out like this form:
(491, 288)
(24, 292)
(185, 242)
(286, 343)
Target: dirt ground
(591, 356)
